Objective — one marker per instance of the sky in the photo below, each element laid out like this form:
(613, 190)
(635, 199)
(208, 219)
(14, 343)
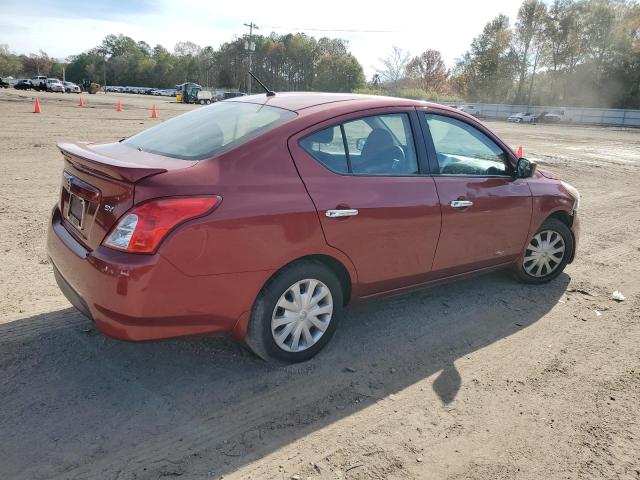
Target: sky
(67, 27)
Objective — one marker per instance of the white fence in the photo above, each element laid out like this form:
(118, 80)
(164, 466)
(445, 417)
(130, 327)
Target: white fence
(593, 116)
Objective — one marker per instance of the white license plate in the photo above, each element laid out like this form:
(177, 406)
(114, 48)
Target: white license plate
(75, 210)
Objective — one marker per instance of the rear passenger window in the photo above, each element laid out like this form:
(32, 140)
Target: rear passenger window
(374, 145)
(327, 147)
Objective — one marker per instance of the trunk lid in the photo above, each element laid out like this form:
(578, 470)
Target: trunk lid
(98, 185)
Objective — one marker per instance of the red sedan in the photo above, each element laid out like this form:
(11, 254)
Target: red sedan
(264, 216)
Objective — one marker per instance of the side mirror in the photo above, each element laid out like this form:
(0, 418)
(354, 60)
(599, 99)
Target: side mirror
(525, 168)
(360, 143)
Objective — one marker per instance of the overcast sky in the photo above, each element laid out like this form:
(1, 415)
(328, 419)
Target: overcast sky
(66, 27)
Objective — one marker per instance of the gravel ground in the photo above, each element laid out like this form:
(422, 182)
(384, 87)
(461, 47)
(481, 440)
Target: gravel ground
(481, 379)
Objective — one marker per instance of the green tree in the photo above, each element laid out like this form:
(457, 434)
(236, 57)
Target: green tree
(530, 41)
(487, 70)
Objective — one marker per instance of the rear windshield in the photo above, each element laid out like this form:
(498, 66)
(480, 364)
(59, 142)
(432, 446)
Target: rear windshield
(208, 131)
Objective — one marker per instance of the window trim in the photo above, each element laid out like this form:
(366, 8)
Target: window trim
(431, 149)
(416, 136)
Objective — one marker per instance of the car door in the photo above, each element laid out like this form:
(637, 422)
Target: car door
(486, 211)
(375, 201)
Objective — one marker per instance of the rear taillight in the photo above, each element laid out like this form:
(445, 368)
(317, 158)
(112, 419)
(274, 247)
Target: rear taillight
(142, 229)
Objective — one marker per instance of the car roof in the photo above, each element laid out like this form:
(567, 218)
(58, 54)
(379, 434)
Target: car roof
(297, 101)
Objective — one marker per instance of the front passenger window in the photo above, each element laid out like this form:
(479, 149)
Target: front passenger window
(464, 150)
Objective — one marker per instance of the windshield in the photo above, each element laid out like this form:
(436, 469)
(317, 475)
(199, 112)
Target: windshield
(209, 131)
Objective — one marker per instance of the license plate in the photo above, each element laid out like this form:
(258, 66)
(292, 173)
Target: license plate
(75, 212)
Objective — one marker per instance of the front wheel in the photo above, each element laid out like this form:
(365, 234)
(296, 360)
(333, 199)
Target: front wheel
(547, 253)
(296, 313)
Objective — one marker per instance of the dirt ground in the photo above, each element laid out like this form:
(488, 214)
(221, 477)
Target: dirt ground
(481, 379)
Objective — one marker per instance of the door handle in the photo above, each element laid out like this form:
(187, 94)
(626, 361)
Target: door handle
(349, 212)
(460, 203)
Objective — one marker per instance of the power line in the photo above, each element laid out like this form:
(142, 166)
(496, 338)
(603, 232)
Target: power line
(346, 30)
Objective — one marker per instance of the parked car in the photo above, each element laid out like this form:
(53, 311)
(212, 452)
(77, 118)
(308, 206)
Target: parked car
(23, 84)
(3, 83)
(551, 117)
(70, 87)
(470, 109)
(39, 82)
(54, 85)
(265, 216)
(522, 118)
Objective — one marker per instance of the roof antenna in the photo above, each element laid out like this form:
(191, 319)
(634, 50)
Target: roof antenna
(270, 93)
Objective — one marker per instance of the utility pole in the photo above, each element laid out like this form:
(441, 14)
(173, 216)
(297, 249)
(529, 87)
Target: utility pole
(250, 47)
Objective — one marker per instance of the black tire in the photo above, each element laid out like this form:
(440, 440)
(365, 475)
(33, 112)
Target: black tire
(259, 336)
(552, 225)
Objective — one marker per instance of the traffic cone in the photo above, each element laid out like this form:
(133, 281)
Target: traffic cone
(81, 104)
(519, 153)
(119, 107)
(154, 112)
(36, 106)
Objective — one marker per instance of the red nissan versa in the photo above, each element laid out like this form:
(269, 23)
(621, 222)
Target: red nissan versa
(265, 215)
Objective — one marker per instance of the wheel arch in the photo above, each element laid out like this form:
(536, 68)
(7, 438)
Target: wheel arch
(566, 218)
(345, 278)
(563, 216)
(335, 265)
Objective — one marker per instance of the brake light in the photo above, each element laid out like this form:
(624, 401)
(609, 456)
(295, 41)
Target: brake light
(142, 229)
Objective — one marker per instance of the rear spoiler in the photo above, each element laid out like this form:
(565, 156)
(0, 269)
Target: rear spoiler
(85, 158)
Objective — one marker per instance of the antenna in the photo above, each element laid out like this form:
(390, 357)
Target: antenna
(270, 93)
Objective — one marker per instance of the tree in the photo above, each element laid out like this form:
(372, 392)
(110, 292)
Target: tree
(338, 73)
(529, 42)
(37, 64)
(10, 64)
(393, 67)
(488, 68)
(428, 71)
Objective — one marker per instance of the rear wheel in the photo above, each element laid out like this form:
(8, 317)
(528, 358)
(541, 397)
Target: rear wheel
(547, 253)
(296, 313)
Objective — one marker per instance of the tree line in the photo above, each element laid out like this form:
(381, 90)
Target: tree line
(283, 62)
(567, 52)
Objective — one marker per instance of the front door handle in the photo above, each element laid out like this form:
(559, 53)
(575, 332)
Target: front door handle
(460, 203)
(348, 212)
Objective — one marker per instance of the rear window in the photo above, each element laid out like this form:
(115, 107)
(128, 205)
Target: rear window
(208, 131)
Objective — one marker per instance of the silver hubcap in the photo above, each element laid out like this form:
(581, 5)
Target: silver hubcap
(544, 253)
(302, 315)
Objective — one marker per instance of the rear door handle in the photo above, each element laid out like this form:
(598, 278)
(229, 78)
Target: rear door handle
(349, 212)
(460, 203)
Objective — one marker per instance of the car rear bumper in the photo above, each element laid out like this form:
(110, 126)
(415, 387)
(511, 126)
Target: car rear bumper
(145, 297)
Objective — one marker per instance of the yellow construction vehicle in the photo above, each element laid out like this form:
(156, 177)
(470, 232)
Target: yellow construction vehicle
(89, 86)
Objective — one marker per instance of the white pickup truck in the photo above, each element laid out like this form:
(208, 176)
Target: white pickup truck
(39, 82)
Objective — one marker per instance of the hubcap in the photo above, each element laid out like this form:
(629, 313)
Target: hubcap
(544, 253)
(302, 315)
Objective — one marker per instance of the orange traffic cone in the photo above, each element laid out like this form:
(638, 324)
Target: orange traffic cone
(119, 107)
(519, 152)
(154, 112)
(81, 104)
(36, 106)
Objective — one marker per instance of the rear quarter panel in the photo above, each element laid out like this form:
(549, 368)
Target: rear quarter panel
(266, 218)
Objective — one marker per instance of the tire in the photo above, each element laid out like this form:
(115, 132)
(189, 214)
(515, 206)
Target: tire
(207, 102)
(557, 234)
(261, 337)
